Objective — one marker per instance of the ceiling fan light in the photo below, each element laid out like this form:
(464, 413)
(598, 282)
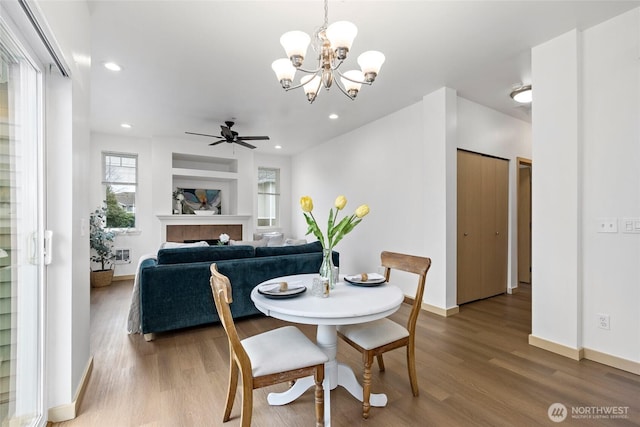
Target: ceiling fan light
(284, 70)
(370, 63)
(523, 94)
(341, 35)
(295, 43)
(351, 80)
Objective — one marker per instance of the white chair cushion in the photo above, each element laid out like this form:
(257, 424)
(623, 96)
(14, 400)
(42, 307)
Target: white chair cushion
(374, 334)
(281, 350)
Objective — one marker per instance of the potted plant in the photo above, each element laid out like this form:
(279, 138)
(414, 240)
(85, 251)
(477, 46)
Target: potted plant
(101, 242)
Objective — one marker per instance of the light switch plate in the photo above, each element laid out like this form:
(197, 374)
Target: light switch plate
(607, 225)
(630, 225)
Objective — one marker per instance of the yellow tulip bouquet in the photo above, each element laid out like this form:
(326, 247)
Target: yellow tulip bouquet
(335, 230)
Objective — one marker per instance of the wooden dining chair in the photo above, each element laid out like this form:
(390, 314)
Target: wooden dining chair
(280, 355)
(377, 337)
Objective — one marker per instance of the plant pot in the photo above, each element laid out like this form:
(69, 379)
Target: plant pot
(101, 278)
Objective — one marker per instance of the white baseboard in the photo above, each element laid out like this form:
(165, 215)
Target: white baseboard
(70, 410)
(444, 312)
(613, 361)
(554, 347)
(587, 353)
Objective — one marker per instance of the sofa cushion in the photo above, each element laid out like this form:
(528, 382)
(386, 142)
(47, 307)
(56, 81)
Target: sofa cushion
(203, 254)
(252, 243)
(289, 250)
(174, 245)
(271, 238)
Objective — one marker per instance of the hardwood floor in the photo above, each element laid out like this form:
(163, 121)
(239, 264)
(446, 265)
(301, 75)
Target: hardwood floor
(474, 368)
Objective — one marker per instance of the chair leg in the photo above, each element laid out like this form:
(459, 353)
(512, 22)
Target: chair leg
(231, 389)
(319, 378)
(380, 362)
(366, 383)
(411, 365)
(247, 400)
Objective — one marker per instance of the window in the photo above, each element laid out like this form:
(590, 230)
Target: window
(268, 197)
(120, 181)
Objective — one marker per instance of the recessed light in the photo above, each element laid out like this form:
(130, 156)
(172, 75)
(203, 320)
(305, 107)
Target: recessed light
(126, 125)
(278, 147)
(333, 116)
(112, 66)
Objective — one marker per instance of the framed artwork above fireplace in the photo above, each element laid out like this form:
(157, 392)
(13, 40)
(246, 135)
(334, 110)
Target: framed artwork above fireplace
(201, 199)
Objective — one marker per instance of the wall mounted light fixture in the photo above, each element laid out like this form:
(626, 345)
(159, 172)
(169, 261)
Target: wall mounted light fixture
(522, 94)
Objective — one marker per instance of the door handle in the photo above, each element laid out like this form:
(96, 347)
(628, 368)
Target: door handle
(466, 234)
(48, 237)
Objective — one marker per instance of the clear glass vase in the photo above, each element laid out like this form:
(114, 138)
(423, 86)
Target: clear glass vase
(326, 269)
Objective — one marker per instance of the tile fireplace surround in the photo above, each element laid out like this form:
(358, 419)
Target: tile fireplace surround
(177, 228)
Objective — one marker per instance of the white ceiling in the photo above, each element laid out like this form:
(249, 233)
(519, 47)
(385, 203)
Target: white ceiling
(191, 65)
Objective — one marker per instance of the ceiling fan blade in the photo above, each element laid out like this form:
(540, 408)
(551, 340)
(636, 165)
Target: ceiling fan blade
(244, 144)
(217, 142)
(203, 134)
(254, 138)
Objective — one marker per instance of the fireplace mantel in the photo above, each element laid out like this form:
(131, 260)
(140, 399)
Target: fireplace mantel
(186, 219)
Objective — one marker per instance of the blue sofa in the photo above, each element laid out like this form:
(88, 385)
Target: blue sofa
(175, 291)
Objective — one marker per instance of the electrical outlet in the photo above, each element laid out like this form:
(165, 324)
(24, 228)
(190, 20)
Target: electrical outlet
(603, 321)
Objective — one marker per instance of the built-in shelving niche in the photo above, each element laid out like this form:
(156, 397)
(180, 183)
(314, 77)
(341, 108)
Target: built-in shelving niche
(193, 171)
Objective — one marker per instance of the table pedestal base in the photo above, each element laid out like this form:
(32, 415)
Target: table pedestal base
(335, 374)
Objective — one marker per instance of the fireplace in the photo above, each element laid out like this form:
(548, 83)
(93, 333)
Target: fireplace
(196, 233)
(181, 228)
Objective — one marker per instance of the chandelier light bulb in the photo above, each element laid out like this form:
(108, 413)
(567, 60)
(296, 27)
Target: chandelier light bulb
(311, 85)
(370, 63)
(341, 35)
(295, 44)
(284, 70)
(351, 82)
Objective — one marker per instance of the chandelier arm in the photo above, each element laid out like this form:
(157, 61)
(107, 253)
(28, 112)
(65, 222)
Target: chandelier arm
(353, 80)
(335, 67)
(316, 71)
(299, 85)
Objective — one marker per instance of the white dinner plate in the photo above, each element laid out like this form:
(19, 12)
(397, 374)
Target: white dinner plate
(272, 290)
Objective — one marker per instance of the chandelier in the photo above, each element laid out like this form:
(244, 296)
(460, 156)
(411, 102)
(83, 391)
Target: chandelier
(331, 44)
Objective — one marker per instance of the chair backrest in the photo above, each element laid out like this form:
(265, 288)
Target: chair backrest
(412, 264)
(222, 297)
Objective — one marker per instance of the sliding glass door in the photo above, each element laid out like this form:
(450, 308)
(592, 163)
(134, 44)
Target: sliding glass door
(21, 250)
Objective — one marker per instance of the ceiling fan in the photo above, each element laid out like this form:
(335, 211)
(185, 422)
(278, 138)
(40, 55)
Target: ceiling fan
(231, 136)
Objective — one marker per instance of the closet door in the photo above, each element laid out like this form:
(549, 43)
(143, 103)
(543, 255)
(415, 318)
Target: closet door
(483, 194)
(470, 226)
(495, 281)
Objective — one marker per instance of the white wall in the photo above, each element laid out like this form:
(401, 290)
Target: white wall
(377, 165)
(586, 156)
(67, 149)
(611, 183)
(611, 180)
(403, 166)
(555, 191)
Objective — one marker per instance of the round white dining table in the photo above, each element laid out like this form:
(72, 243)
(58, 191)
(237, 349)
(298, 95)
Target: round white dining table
(346, 305)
